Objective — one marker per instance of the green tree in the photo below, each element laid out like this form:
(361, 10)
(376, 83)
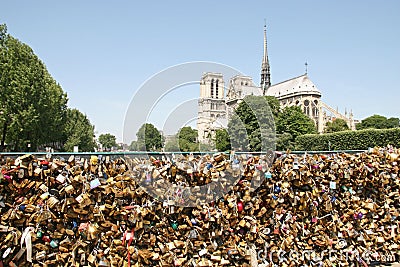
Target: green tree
(393, 123)
(378, 122)
(107, 141)
(238, 133)
(274, 106)
(172, 144)
(222, 140)
(78, 131)
(252, 125)
(337, 125)
(32, 105)
(284, 141)
(149, 138)
(294, 122)
(204, 147)
(187, 138)
(133, 146)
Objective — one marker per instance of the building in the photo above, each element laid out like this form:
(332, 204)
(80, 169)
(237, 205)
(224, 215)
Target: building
(215, 107)
(212, 112)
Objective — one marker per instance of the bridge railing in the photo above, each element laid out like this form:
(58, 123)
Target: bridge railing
(155, 154)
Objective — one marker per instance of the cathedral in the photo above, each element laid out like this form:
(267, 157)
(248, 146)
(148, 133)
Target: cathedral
(215, 107)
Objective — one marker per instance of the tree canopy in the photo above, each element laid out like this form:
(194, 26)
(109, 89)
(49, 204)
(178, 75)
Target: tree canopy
(32, 104)
(149, 138)
(79, 132)
(294, 122)
(172, 144)
(337, 125)
(378, 122)
(222, 140)
(252, 125)
(187, 138)
(107, 141)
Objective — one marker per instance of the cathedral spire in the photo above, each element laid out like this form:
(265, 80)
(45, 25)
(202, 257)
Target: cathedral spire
(265, 69)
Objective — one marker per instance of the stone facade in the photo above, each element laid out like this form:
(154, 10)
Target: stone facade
(212, 107)
(300, 91)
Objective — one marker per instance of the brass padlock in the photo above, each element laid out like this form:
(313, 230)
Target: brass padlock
(40, 255)
(69, 189)
(92, 257)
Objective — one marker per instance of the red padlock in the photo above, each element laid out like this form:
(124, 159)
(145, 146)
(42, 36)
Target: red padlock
(46, 238)
(44, 162)
(240, 206)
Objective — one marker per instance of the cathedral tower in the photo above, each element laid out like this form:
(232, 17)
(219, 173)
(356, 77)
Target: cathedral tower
(265, 69)
(211, 104)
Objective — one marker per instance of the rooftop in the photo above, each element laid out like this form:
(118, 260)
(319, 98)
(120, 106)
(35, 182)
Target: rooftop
(292, 87)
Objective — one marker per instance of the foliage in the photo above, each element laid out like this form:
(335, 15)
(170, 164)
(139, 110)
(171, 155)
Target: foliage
(79, 132)
(294, 122)
(252, 126)
(284, 142)
(349, 140)
(188, 141)
(149, 138)
(222, 142)
(133, 146)
(393, 123)
(206, 147)
(238, 134)
(107, 141)
(337, 125)
(187, 138)
(378, 122)
(32, 105)
(172, 145)
(274, 105)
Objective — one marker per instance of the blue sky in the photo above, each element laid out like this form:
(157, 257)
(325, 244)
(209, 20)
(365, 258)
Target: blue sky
(102, 51)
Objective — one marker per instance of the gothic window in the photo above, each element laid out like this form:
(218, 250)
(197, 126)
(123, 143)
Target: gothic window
(212, 88)
(216, 89)
(315, 112)
(307, 107)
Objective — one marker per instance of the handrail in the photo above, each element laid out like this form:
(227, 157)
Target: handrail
(142, 153)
